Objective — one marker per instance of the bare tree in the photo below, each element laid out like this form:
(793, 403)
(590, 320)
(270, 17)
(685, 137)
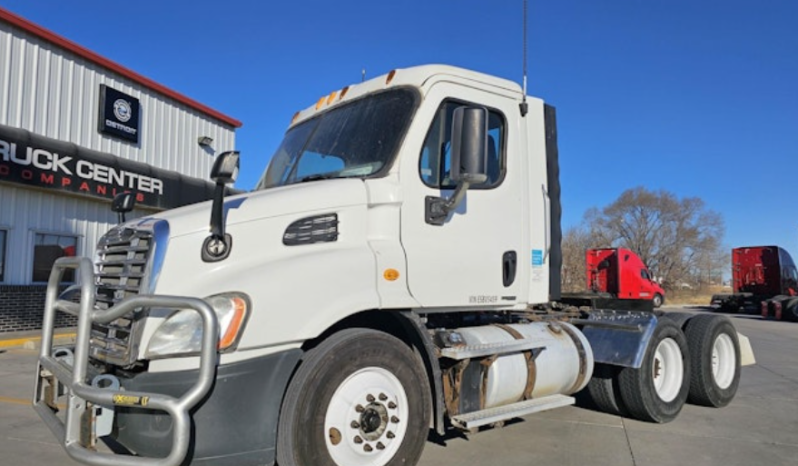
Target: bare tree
(676, 238)
(576, 240)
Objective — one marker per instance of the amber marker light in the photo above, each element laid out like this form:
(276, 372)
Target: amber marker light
(320, 102)
(390, 77)
(331, 97)
(343, 92)
(391, 275)
(237, 320)
(294, 118)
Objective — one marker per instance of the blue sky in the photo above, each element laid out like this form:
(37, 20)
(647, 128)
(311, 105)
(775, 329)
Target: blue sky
(695, 97)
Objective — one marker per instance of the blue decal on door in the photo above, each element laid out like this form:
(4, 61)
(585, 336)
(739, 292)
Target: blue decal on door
(537, 257)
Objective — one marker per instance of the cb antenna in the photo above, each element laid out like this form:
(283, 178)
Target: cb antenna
(524, 107)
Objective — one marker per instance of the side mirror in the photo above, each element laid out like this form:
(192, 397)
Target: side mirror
(470, 144)
(122, 204)
(469, 160)
(225, 168)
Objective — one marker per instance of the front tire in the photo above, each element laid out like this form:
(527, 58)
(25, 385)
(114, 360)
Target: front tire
(657, 391)
(359, 398)
(658, 300)
(714, 360)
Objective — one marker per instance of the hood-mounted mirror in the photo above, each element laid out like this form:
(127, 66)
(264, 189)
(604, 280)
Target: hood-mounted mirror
(218, 245)
(122, 204)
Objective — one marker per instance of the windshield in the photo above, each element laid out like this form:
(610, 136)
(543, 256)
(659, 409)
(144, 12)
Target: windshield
(355, 140)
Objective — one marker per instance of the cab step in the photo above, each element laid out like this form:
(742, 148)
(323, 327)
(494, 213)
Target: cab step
(489, 349)
(503, 413)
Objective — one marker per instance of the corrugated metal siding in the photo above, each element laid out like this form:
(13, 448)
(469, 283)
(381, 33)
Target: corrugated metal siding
(53, 93)
(25, 212)
(48, 91)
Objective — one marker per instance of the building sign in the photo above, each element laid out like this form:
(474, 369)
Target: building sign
(119, 114)
(30, 159)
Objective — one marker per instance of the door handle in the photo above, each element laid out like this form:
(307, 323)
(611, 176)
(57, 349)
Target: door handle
(509, 267)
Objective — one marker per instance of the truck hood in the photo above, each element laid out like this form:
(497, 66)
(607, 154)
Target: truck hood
(287, 200)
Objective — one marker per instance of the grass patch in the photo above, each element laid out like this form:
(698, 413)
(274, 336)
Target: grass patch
(697, 297)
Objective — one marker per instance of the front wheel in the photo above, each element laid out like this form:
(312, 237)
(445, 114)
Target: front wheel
(658, 300)
(357, 399)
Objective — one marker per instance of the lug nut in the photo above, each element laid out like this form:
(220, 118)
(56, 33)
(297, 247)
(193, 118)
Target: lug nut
(380, 446)
(358, 439)
(370, 398)
(359, 408)
(391, 405)
(390, 434)
(383, 397)
(355, 425)
(367, 448)
(395, 419)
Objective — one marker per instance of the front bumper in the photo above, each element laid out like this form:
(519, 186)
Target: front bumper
(76, 431)
(236, 424)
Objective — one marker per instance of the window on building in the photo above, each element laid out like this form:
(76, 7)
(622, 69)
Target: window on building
(47, 248)
(3, 236)
(436, 154)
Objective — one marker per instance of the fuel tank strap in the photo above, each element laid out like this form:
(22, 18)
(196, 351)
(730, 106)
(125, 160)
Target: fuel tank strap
(530, 355)
(582, 356)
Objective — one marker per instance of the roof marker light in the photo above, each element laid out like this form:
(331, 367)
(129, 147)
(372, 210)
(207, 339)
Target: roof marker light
(343, 92)
(320, 102)
(390, 77)
(331, 97)
(295, 117)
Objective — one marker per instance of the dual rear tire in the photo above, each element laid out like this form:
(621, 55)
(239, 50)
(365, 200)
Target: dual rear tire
(700, 364)
(714, 359)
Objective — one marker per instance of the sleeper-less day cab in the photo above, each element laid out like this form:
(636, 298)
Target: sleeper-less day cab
(396, 269)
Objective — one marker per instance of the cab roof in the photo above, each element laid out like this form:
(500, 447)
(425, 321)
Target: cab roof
(417, 76)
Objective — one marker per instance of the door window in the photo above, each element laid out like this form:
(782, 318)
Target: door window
(435, 160)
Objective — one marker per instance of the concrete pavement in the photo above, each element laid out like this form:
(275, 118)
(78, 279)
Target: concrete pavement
(760, 427)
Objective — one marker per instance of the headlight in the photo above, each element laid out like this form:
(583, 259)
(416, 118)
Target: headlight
(181, 333)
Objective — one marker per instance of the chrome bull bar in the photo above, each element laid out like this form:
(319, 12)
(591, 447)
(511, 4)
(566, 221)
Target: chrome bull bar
(75, 437)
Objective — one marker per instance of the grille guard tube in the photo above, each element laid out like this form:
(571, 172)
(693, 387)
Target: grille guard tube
(52, 371)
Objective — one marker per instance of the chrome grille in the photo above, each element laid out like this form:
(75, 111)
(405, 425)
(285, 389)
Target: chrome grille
(120, 271)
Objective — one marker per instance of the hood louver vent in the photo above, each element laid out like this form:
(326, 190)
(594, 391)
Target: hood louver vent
(309, 230)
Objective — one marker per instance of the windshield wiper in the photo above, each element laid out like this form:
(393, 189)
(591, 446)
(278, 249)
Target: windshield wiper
(320, 176)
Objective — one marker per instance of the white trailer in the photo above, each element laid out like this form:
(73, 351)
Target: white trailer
(396, 269)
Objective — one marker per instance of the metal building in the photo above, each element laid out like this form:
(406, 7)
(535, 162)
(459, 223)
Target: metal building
(75, 129)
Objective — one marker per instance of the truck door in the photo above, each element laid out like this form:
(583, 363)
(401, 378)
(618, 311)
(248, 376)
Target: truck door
(473, 259)
(646, 288)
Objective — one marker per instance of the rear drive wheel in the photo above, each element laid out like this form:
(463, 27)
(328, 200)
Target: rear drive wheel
(658, 300)
(604, 391)
(714, 360)
(680, 318)
(790, 310)
(657, 390)
(359, 398)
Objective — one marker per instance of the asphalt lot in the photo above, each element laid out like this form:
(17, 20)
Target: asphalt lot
(760, 427)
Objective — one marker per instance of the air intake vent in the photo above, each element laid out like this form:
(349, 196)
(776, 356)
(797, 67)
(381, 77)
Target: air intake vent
(309, 230)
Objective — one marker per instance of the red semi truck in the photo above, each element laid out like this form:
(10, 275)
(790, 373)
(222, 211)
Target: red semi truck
(621, 272)
(764, 278)
(617, 279)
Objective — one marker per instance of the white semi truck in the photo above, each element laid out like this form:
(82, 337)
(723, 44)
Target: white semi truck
(396, 270)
